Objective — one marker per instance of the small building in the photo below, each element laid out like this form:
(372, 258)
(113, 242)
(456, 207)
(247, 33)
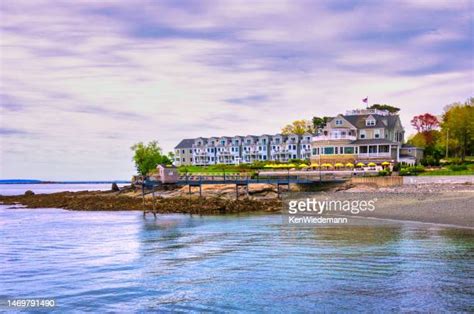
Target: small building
(410, 155)
(167, 174)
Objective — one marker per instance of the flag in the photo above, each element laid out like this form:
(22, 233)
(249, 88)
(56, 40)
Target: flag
(366, 100)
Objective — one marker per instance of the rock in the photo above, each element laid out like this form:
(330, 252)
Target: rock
(115, 187)
(29, 192)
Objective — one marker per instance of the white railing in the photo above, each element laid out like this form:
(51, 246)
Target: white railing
(357, 112)
(334, 137)
(371, 155)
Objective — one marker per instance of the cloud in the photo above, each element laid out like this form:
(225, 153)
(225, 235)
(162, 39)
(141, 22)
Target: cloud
(92, 78)
(247, 100)
(7, 131)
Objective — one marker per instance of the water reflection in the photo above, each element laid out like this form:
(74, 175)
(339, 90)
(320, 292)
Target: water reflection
(256, 263)
(120, 262)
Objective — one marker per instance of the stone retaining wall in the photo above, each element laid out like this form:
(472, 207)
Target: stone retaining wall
(379, 181)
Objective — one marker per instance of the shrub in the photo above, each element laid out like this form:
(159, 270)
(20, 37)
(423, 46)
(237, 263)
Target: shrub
(430, 161)
(411, 171)
(383, 173)
(405, 172)
(417, 169)
(458, 167)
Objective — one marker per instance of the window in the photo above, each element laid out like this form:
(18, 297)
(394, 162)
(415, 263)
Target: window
(363, 149)
(315, 152)
(383, 149)
(328, 150)
(370, 122)
(377, 133)
(338, 122)
(348, 150)
(362, 134)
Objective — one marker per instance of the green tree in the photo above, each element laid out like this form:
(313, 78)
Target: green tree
(148, 156)
(391, 109)
(298, 127)
(457, 128)
(431, 142)
(319, 122)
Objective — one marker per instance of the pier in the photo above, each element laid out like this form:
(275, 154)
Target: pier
(281, 180)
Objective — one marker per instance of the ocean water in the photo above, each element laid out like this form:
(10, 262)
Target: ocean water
(123, 262)
(18, 189)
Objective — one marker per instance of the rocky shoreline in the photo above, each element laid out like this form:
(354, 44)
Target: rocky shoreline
(98, 201)
(440, 204)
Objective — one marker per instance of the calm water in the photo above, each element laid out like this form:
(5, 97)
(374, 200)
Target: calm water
(119, 261)
(17, 189)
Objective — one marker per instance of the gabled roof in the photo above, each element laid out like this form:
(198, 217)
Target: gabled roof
(359, 121)
(186, 143)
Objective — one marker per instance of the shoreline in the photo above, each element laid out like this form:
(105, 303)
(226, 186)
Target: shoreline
(448, 205)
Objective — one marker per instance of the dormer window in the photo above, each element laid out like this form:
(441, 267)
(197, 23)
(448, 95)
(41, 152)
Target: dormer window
(338, 122)
(370, 122)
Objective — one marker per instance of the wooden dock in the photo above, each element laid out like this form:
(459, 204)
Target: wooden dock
(240, 181)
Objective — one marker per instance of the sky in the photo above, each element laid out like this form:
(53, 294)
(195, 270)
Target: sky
(82, 81)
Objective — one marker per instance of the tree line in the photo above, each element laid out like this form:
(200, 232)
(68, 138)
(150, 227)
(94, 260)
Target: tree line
(450, 135)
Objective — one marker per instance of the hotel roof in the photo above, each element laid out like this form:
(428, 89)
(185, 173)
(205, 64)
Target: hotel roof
(186, 143)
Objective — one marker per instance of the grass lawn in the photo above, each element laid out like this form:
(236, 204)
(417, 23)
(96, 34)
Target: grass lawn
(450, 172)
(447, 172)
(212, 170)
